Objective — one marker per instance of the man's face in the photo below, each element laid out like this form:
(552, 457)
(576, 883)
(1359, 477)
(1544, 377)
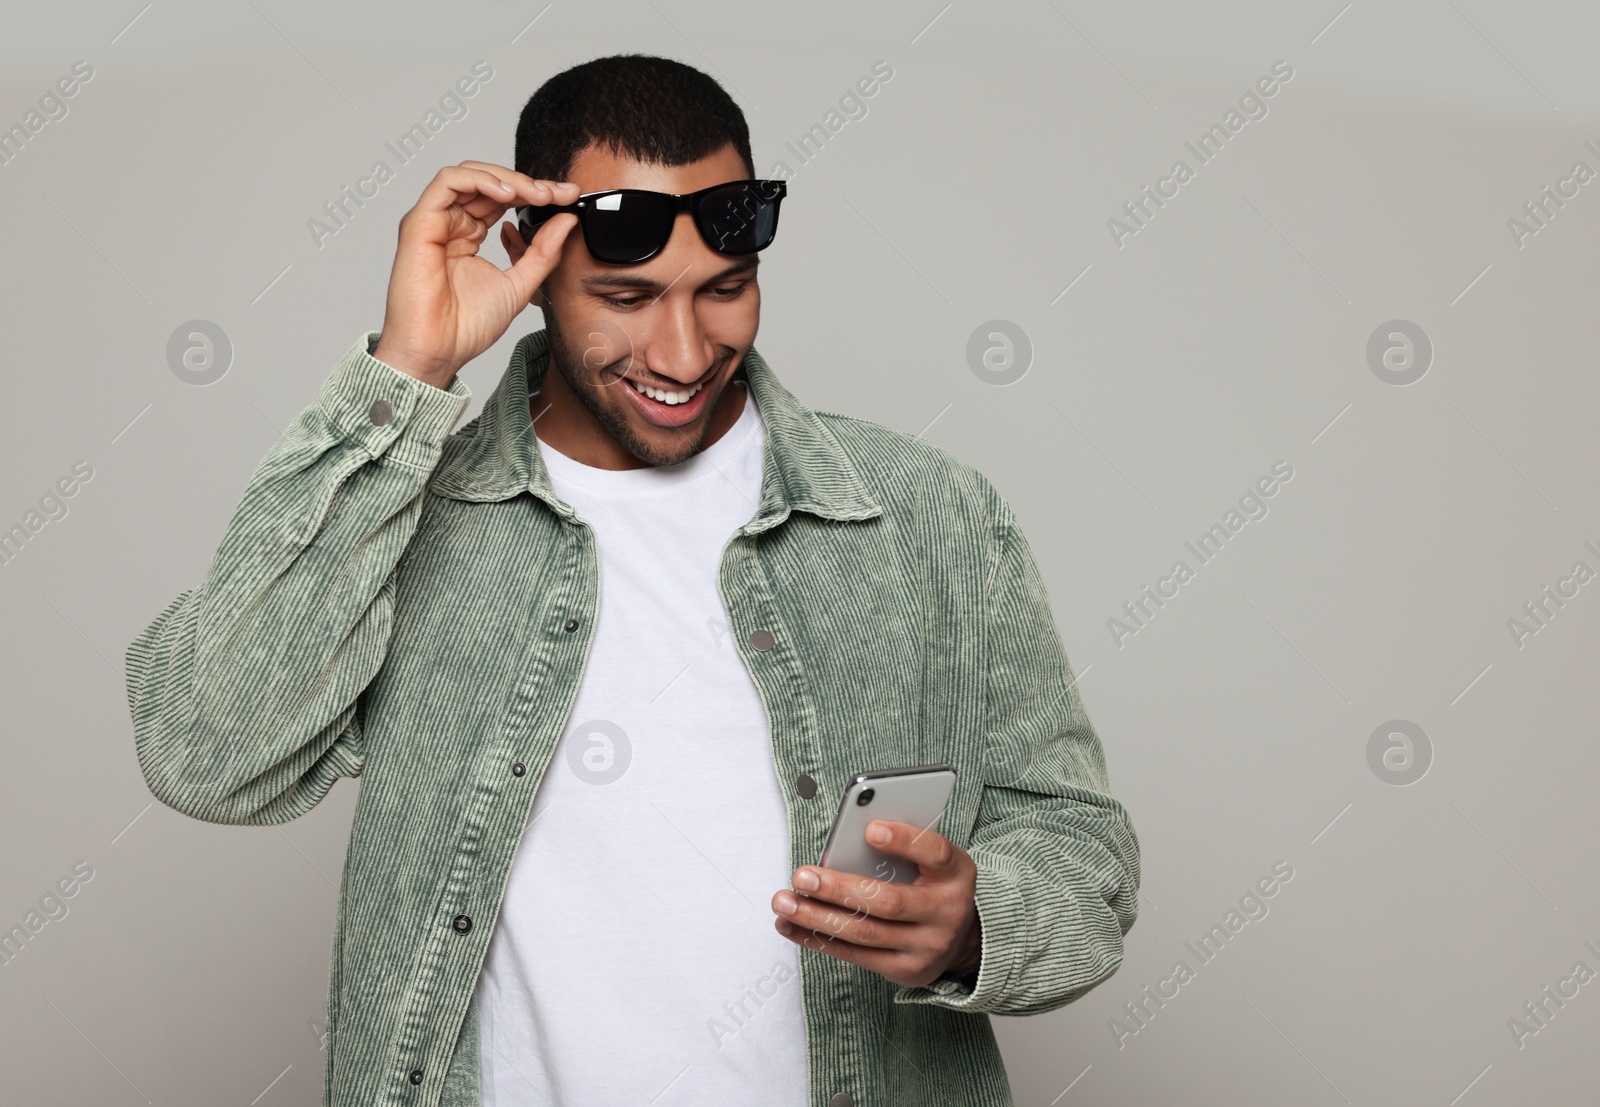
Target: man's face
(678, 323)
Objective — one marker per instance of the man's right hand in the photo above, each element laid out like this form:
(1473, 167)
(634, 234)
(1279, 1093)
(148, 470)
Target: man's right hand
(446, 305)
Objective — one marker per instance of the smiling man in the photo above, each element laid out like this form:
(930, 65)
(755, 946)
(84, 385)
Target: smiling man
(606, 657)
(645, 352)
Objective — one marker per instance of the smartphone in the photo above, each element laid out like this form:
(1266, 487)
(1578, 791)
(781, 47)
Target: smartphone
(917, 795)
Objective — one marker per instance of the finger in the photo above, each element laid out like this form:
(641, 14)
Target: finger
(485, 210)
(441, 216)
(936, 856)
(482, 193)
(458, 185)
(542, 255)
(830, 920)
(883, 898)
(886, 962)
(529, 190)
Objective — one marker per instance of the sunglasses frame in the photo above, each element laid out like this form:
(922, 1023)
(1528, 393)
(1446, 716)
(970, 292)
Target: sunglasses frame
(530, 217)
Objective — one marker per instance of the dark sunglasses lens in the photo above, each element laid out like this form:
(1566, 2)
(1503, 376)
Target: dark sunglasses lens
(739, 219)
(626, 227)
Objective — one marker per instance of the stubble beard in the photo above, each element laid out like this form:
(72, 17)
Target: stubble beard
(582, 382)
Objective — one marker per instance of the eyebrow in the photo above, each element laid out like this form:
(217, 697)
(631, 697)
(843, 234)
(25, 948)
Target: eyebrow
(622, 280)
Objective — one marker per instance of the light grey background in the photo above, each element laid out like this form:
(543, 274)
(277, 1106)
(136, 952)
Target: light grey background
(1230, 333)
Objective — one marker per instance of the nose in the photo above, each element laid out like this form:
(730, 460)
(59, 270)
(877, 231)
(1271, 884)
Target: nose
(678, 349)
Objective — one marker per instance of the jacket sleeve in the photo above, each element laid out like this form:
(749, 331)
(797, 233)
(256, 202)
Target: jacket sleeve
(1057, 856)
(245, 690)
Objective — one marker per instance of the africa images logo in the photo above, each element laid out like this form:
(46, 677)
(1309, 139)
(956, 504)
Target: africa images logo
(1205, 548)
(1137, 213)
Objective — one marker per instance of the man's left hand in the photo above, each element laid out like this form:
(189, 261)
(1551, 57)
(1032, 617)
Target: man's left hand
(910, 934)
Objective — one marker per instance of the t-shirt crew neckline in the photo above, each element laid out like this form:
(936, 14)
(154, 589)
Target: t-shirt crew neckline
(654, 479)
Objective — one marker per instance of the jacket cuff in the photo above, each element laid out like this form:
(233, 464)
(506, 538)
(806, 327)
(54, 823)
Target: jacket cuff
(383, 410)
(1002, 914)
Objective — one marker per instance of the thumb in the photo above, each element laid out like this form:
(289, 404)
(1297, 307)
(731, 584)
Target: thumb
(541, 256)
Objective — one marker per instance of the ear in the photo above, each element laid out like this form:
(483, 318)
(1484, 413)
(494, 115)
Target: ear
(511, 242)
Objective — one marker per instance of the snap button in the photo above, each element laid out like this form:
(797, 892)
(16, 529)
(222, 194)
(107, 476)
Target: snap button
(381, 413)
(462, 923)
(416, 1076)
(518, 768)
(572, 625)
(842, 1099)
(762, 640)
(806, 786)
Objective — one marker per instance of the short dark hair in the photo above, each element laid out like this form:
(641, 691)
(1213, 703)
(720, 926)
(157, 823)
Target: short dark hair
(651, 109)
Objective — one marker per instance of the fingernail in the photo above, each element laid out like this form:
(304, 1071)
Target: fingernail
(541, 184)
(787, 903)
(506, 185)
(878, 834)
(806, 880)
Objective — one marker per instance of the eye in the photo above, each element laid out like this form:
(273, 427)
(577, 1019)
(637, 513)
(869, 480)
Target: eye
(729, 292)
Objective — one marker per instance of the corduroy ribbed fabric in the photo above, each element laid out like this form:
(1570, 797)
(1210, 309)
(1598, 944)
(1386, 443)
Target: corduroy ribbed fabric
(393, 601)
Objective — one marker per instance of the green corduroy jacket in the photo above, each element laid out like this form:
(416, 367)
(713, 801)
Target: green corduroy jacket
(394, 601)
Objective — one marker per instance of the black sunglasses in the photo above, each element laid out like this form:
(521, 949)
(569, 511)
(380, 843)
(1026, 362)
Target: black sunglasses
(626, 226)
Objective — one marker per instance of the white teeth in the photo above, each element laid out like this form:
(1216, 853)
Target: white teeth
(662, 396)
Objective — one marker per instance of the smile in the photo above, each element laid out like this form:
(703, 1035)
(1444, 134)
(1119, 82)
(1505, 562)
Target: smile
(663, 396)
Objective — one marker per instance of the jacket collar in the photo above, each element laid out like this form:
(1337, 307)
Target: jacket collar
(804, 468)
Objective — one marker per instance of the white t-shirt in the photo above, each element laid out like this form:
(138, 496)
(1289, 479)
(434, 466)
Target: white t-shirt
(634, 960)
